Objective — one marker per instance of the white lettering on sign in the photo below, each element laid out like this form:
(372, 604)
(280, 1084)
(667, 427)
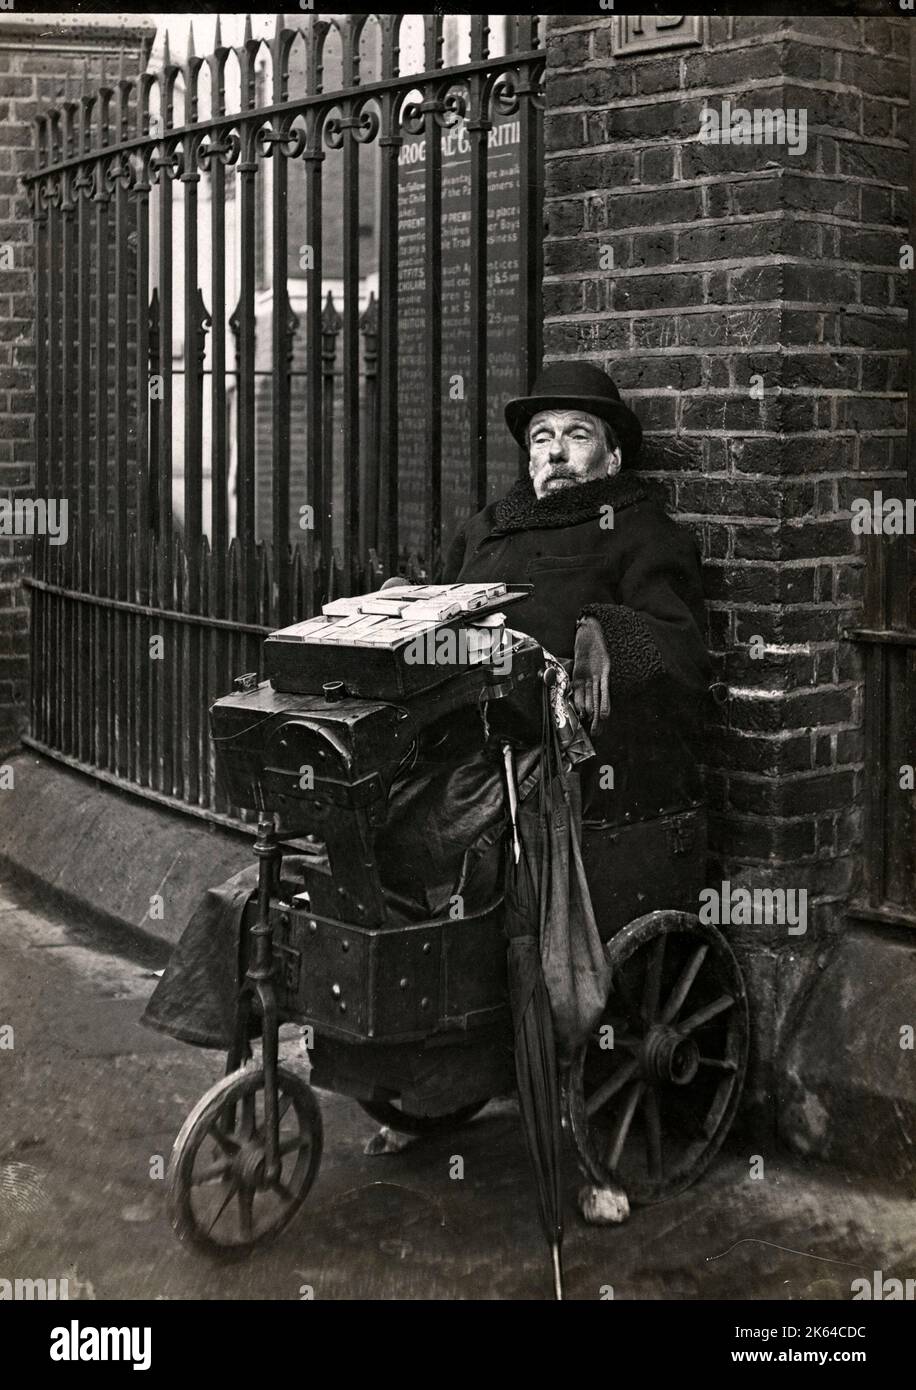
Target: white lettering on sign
(641, 33)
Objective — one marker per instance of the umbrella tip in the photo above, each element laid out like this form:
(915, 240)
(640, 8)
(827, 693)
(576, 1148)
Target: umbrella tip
(557, 1273)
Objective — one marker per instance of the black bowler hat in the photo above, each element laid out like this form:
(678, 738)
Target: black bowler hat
(577, 386)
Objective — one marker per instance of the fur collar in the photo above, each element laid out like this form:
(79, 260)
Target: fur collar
(521, 510)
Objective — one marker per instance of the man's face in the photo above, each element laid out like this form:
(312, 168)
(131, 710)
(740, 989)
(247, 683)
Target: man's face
(566, 447)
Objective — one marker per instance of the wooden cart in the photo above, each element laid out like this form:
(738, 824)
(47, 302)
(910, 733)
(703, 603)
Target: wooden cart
(411, 1018)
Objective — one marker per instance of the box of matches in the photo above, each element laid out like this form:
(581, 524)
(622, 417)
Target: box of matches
(390, 655)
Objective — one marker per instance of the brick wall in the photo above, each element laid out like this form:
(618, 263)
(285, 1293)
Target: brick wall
(733, 262)
(38, 55)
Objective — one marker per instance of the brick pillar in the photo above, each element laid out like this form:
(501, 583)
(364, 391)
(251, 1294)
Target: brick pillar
(754, 315)
(38, 55)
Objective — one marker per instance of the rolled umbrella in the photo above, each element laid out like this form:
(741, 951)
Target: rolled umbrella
(536, 1070)
(512, 792)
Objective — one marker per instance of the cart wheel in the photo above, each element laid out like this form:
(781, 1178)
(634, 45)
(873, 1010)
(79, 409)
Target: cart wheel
(386, 1112)
(654, 1091)
(218, 1198)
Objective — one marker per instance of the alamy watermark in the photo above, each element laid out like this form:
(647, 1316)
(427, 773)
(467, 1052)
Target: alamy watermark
(729, 906)
(459, 647)
(34, 516)
(885, 1290)
(736, 125)
(883, 516)
(34, 1290)
(76, 1343)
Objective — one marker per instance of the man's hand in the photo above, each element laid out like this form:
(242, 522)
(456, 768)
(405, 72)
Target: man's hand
(591, 676)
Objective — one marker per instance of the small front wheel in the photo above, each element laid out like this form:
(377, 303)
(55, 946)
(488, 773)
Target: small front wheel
(220, 1199)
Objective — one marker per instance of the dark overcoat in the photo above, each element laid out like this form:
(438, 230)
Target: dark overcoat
(609, 549)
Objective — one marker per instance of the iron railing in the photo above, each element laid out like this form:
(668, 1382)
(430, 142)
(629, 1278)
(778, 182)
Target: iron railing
(189, 476)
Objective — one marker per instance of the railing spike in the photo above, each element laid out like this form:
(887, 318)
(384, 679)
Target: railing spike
(369, 318)
(218, 35)
(192, 52)
(166, 52)
(330, 319)
(121, 69)
(247, 39)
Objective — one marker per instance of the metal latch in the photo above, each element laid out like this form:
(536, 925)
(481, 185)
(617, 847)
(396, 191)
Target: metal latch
(247, 682)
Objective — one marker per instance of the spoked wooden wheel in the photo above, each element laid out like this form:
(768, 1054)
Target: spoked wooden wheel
(390, 1113)
(654, 1091)
(219, 1196)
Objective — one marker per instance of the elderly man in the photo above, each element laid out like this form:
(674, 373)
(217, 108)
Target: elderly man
(617, 587)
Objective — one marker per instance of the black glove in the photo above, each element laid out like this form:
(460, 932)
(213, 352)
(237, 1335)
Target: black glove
(591, 676)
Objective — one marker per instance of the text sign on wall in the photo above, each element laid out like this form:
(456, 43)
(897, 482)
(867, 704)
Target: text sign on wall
(504, 326)
(640, 33)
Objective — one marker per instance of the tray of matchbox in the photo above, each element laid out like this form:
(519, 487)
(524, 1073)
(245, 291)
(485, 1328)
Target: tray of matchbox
(394, 642)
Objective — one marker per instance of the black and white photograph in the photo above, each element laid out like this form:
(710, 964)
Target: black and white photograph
(458, 670)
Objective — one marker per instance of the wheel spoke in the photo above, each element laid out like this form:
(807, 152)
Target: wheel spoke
(229, 1145)
(283, 1190)
(720, 1063)
(610, 1087)
(653, 981)
(682, 988)
(621, 1037)
(622, 1128)
(654, 1137)
(223, 1205)
(283, 1105)
(718, 1006)
(293, 1142)
(213, 1173)
(246, 1203)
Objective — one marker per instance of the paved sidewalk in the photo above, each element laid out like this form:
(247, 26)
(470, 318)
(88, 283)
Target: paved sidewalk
(89, 1099)
(92, 849)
